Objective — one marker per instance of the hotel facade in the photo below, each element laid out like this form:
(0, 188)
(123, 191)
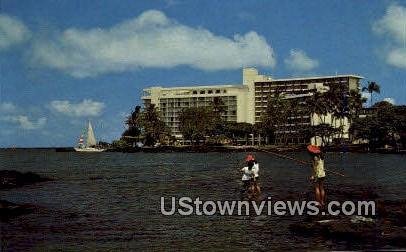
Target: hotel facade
(247, 102)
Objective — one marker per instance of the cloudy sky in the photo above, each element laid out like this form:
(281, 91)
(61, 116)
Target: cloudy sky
(64, 62)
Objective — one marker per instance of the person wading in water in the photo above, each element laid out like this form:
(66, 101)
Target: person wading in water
(318, 173)
(250, 176)
(256, 173)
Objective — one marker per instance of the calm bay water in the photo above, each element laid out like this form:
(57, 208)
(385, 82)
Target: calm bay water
(111, 201)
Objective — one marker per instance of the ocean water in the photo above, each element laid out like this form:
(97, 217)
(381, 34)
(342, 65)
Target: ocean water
(111, 201)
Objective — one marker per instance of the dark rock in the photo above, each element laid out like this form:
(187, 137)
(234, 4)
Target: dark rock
(9, 210)
(388, 227)
(96, 178)
(392, 212)
(357, 192)
(12, 179)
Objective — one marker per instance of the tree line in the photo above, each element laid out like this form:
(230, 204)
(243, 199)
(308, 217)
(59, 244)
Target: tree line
(384, 126)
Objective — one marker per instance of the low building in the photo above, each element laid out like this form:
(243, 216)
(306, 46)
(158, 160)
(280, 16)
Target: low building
(247, 102)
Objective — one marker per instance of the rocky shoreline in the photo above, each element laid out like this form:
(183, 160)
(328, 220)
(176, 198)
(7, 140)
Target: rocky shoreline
(386, 228)
(9, 210)
(13, 179)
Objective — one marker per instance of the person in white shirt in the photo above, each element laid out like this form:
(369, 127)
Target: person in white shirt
(256, 170)
(256, 165)
(250, 176)
(248, 173)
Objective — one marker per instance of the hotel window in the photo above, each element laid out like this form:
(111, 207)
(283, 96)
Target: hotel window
(218, 91)
(202, 92)
(195, 92)
(224, 91)
(210, 91)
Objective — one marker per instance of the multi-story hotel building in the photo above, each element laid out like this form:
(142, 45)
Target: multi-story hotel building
(247, 102)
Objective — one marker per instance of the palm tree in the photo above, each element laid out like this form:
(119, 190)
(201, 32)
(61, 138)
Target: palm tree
(133, 123)
(193, 124)
(355, 101)
(153, 126)
(276, 113)
(318, 105)
(338, 105)
(372, 87)
(218, 114)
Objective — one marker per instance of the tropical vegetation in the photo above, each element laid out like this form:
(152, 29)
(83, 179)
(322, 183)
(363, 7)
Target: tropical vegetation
(327, 110)
(384, 126)
(371, 88)
(147, 125)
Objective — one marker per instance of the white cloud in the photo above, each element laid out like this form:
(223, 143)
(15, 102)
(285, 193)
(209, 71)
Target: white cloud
(149, 40)
(392, 26)
(84, 108)
(14, 115)
(392, 23)
(7, 107)
(390, 100)
(299, 61)
(397, 57)
(25, 123)
(12, 31)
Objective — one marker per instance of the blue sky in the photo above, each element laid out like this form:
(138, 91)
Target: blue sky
(64, 62)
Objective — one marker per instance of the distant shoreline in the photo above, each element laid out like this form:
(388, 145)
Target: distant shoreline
(225, 148)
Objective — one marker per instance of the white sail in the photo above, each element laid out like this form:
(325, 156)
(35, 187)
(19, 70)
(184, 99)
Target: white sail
(91, 140)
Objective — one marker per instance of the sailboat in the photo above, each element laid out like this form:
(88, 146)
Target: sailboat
(90, 145)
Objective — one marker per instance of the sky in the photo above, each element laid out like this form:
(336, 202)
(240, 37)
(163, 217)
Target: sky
(63, 62)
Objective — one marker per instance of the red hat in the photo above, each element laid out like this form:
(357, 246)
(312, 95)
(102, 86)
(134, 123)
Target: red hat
(313, 149)
(249, 158)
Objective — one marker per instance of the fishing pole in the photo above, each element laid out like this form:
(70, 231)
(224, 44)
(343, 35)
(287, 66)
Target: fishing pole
(298, 161)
